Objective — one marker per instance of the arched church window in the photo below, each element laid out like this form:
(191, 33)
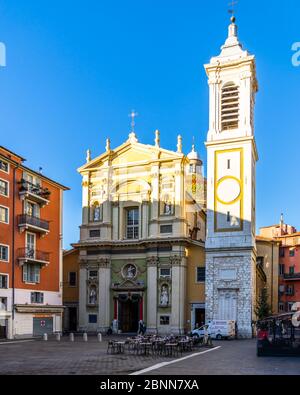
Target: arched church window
(230, 106)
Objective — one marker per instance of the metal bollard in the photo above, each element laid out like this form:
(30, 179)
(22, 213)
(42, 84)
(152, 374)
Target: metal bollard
(99, 337)
(58, 337)
(85, 337)
(45, 336)
(71, 337)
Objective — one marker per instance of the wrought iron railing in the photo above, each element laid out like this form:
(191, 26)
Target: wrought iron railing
(35, 255)
(289, 276)
(26, 186)
(25, 219)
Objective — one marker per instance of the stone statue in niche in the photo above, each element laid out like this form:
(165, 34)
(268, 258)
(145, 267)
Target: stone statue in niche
(92, 296)
(167, 205)
(97, 213)
(164, 296)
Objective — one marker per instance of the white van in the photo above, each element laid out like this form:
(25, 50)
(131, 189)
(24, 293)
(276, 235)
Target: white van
(217, 329)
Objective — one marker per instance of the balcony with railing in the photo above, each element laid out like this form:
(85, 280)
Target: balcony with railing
(35, 224)
(292, 276)
(29, 255)
(34, 191)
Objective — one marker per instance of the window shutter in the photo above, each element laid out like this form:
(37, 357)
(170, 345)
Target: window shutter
(42, 298)
(32, 297)
(25, 275)
(37, 274)
(230, 107)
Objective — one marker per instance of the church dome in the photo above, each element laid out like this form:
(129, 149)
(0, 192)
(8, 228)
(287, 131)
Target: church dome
(193, 154)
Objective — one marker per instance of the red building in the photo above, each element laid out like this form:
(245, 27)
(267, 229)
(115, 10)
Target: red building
(30, 249)
(289, 263)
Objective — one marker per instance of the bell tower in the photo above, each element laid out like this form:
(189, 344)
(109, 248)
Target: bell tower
(231, 160)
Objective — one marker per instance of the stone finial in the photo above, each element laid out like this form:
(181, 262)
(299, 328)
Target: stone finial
(107, 147)
(179, 144)
(132, 138)
(157, 138)
(88, 155)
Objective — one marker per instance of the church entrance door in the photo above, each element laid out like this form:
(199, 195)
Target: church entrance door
(128, 315)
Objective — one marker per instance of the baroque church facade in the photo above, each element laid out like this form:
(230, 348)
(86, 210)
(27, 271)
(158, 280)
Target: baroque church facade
(154, 244)
(141, 237)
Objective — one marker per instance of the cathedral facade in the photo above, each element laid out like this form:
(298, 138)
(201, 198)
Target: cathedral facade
(141, 248)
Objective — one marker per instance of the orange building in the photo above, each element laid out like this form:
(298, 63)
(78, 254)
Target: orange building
(289, 263)
(30, 250)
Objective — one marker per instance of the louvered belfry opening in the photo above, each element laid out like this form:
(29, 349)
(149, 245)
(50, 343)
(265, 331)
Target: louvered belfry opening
(230, 106)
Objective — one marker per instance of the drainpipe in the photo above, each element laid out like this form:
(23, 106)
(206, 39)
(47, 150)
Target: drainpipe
(272, 276)
(13, 248)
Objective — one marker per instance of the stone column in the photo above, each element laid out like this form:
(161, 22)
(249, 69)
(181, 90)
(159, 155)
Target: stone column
(145, 214)
(85, 199)
(154, 200)
(115, 220)
(104, 320)
(152, 294)
(82, 294)
(178, 293)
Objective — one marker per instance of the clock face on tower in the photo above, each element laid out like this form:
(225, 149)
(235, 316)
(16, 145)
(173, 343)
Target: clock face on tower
(228, 190)
(228, 196)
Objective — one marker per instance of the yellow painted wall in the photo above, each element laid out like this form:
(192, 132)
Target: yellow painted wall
(195, 291)
(70, 264)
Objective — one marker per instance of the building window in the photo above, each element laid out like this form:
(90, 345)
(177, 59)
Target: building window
(95, 233)
(292, 252)
(164, 272)
(200, 274)
(228, 216)
(31, 273)
(93, 274)
(37, 297)
(289, 290)
(3, 281)
(260, 261)
(132, 225)
(290, 305)
(281, 252)
(291, 269)
(3, 304)
(92, 318)
(3, 188)
(72, 279)
(281, 269)
(164, 320)
(32, 209)
(166, 229)
(281, 307)
(228, 164)
(4, 166)
(230, 106)
(3, 253)
(4, 214)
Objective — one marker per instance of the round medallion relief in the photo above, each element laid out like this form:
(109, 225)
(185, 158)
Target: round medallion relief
(129, 271)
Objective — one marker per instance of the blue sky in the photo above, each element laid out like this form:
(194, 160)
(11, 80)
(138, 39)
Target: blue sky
(76, 68)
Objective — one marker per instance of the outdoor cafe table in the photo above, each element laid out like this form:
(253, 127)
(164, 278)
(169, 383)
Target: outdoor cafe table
(120, 347)
(145, 347)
